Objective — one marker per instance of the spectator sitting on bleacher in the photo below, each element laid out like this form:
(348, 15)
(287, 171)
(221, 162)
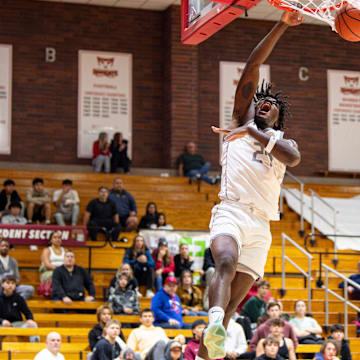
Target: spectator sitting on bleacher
(192, 347)
(52, 350)
(209, 271)
(151, 216)
(353, 292)
(166, 306)
(271, 349)
(101, 153)
(286, 345)
(183, 260)
(7, 196)
(161, 223)
(101, 214)
(142, 339)
(14, 217)
(172, 350)
(164, 262)
(235, 343)
(13, 306)
(110, 346)
(190, 296)
(123, 300)
(193, 165)
(69, 281)
(329, 351)
(274, 312)
(125, 204)
(126, 268)
(337, 333)
(67, 203)
(119, 156)
(104, 313)
(38, 201)
(306, 328)
(256, 305)
(142, 263)
(9, 266)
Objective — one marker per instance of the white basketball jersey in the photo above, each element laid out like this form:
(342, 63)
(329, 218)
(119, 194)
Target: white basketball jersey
(250, 175)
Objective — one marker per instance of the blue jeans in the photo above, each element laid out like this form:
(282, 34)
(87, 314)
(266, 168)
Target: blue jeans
(202, 172)
(158, 282)
(166, 325)
(200, 313)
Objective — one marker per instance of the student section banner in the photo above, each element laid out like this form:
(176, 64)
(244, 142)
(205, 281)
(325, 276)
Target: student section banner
(40, 234)
(197, 241)
(343, 120)
(5, 98)
(104, 98)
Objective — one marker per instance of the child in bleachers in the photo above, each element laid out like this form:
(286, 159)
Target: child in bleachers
(123, 300)
(337, 333)
(13, 306)
(125, 268)
(286, 345)
(142, 263)
(164, 263)
(329, 350)
(192, 347)
(161, 223)
(271, 349)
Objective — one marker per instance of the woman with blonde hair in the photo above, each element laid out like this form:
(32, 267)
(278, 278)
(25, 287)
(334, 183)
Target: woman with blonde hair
(101, 153)
(125, 268)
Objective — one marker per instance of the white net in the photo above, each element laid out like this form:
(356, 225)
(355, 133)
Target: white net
(323, 10)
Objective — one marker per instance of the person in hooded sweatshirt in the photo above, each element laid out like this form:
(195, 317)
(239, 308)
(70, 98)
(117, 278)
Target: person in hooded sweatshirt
(12, 306)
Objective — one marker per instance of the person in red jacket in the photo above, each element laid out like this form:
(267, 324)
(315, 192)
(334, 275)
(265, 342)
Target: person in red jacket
(101, 153)
(192, 346)
(164, 263)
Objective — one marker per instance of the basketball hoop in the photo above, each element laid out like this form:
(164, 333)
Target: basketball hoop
(323, 10)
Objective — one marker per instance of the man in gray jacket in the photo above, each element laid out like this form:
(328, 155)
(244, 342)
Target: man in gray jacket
(9, 266)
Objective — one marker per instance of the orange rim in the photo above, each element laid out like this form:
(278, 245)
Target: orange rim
(280, 5)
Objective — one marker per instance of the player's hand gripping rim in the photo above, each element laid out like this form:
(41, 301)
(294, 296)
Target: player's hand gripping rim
(231, 135)
(292, 18)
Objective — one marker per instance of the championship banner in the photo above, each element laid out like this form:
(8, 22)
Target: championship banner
(197, 241)
(5, 98)
(104, 98)
(40, 234)
(230, 73)
(343, 120)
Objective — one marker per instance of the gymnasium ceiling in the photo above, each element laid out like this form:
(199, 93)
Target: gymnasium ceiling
(262, 11)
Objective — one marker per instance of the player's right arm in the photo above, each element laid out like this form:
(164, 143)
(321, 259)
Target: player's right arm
(248, 82)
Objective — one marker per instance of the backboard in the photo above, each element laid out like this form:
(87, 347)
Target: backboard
(202, 18)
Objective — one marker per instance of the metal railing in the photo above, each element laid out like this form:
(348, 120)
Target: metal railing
(344, 298)
(285, 258)
(300, 199)
(314, 212)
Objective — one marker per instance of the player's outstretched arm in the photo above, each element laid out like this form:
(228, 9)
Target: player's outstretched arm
(284, 150)
(250, 77)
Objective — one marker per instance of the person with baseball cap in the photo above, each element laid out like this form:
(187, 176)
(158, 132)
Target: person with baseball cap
(167, 308)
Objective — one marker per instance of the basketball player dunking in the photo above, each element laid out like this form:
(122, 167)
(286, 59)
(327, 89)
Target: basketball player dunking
(254, 160)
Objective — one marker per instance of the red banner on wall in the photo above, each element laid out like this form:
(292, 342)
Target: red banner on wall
(40, 234)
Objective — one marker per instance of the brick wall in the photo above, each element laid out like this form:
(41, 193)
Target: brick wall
(175, 87)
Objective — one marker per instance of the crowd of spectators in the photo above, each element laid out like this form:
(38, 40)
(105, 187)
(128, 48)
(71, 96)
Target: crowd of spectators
(259, 330)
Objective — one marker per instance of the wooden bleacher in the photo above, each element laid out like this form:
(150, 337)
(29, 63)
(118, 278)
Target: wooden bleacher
(177, 198)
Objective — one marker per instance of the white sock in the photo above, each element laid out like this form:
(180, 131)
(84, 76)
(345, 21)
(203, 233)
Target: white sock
(216, 313)
(198, 358)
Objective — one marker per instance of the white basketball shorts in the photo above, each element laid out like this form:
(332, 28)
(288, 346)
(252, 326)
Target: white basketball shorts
(249, 229)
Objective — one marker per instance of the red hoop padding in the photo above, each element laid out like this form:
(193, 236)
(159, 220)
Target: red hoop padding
(278, 4)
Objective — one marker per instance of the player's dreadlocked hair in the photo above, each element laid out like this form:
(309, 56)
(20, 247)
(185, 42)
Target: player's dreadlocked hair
(265, 91)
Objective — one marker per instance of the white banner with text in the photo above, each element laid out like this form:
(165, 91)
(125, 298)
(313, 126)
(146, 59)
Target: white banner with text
(5, 98)
(104, 98)
(343, 120)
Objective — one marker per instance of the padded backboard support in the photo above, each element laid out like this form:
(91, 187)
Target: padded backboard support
(214, 20)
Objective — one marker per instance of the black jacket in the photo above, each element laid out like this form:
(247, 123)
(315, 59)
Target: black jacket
(11, 308)
(95, 335)
(208, 260)
(345, 353)
(105, 351)
(71, 284)
(14, 197)
(180, 267)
